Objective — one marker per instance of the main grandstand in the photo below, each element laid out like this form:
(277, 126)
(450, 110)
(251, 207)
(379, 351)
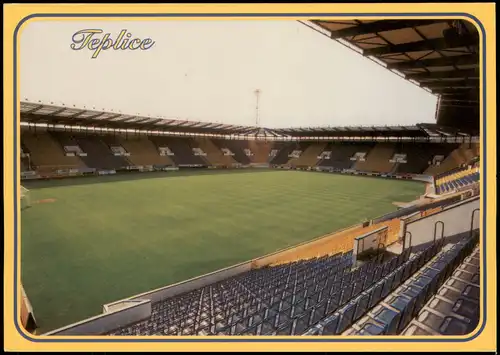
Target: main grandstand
(294, 231)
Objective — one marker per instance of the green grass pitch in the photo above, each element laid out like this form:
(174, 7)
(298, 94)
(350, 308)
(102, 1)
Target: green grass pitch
(107, 238)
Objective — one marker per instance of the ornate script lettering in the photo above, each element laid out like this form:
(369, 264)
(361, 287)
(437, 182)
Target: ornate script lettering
(88, 39)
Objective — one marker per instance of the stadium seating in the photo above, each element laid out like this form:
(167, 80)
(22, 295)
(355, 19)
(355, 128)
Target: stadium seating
(143, 152)
(459, 156)
(64, 139)
(220, 152)
(47, 154)
(419, 155)
(214, 154)
(237, 147)
(412, 309)
(454, 310)
(288, 299)
(378, 159)
(181, 148)
(284, 150)
(456, 180)
(309, 157)
(99, 155)
(109, 139)
(340, 157)
(329, 296)
(261, 301)
(260, 150)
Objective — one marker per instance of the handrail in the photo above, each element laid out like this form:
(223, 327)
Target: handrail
(404, 240)
(435, 229)
(472, 221)
(380, 248)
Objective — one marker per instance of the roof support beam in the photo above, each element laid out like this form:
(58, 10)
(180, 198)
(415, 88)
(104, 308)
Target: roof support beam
(205, 125)
(126, 119)
(248, 130)
(462, 91)
(467, 83)
(90, 117)
(379, 26)
(451, 74)
(466, 59)
(34, 109)
(425, 45)
(112, 118)
(155, 121)
(142, 120)
(191, 124)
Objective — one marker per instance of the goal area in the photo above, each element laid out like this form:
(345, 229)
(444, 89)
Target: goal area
(25, 198)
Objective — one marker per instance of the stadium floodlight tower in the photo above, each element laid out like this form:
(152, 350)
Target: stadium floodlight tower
(257, 93)
(261, 134)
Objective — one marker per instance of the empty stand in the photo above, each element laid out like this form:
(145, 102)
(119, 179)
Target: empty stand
(309, 156)
(182, 149)
(284, 150)
(271, 300)
(340, 157)
(99, 155)
(109, 139)
(458, 156)
(143, 152)
(289, 299)
(378, 159)
(47, 154)
(260, 151)
(412, 308)
(237, 147)
(214, 154)
(432, 291)
(419, 155)
(454, 309)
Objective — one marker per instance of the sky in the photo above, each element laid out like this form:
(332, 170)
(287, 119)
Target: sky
(208, 71)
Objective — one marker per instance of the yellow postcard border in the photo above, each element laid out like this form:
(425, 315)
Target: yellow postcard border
(18, 15)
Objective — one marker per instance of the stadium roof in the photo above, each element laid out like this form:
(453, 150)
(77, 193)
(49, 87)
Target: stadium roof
(419, 130)
(364, 131)
(52, 114)
(439, 55)
(70, 116)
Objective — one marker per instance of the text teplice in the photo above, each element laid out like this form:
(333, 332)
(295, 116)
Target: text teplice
(93, 40)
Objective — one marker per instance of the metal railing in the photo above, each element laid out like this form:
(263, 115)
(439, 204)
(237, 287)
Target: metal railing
(441, 223)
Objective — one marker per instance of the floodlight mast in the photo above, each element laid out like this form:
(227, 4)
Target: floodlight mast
(257, 93)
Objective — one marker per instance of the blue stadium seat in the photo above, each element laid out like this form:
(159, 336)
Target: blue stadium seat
(346, 314)
(375, 296)
(454, 326)
(358, 286)
(362, 305)
(330, 326)
(319, 311)
(346, 293)
(371, 329)
(333, 302)
(388, 318)
(285, 329)
(368, 280)
(377, 274)
(406, 306)
(302, 323)
(387, 282)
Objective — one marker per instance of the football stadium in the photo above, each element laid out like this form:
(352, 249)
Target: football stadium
(135, 225)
